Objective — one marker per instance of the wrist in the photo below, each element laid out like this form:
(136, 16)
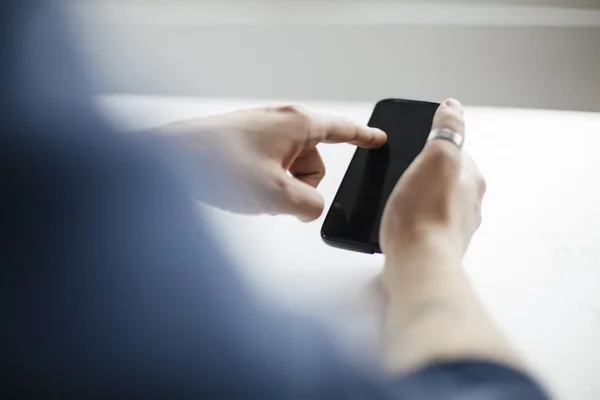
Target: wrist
(426, 248)
(420, 266)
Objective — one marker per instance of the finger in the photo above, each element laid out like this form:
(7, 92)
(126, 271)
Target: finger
(336, 129)
(449, 116)
(309, 167)
(473, 173)
(298, 198)
(473, 182)
(468, 165)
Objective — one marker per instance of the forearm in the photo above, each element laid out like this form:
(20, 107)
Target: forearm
(434, 315)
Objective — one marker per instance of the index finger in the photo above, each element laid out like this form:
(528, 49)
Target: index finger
(335, 129)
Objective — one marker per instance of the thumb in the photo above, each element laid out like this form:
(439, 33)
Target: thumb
(299, 199)
(442, 153)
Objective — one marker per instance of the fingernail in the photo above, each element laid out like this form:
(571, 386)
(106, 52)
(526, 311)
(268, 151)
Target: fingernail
(452, 103)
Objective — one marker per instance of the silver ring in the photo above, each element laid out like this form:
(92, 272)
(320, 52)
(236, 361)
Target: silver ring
(445, 134)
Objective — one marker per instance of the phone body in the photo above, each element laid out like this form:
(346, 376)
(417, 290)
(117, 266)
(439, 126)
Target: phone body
(353, 220)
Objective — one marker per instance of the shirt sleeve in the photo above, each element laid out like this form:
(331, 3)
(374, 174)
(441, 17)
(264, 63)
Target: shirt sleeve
(112, 283)
(469, 380)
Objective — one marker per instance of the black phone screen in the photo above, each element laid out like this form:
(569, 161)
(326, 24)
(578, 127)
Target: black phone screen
(355, 215)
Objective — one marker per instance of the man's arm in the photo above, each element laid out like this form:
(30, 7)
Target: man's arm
(434, 321)
(111, 283)
(434, 315)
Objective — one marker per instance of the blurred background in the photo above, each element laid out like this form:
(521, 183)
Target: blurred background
(517, 53)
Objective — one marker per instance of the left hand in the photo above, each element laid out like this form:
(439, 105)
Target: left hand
(438, 198)
(269, 155)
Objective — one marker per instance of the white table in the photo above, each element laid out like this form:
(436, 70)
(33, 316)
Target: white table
(535, 261)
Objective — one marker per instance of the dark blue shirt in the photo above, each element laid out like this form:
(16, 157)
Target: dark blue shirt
(113, 286)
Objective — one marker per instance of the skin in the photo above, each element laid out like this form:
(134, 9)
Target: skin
(427, 226)
(270, 155)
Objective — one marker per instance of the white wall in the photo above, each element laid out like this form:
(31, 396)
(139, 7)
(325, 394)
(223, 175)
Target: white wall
(525, 56)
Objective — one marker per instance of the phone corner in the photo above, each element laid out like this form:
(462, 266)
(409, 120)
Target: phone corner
(324, 237)
(385, 100)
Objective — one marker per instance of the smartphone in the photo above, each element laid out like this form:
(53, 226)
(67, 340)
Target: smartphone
(353, 220)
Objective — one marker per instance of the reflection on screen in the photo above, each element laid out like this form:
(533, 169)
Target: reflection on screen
(355, 214)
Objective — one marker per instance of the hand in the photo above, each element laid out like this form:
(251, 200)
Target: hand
(437, 202)
(269, 156)
(433, 314)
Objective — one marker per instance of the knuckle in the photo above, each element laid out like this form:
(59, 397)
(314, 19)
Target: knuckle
(294, 109)
(300, 119)
(476, 183)
(281, 186)
(322, 171)
(481, 184)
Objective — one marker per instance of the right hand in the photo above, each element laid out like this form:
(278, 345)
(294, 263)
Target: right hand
(436, 204)
(269, 155)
